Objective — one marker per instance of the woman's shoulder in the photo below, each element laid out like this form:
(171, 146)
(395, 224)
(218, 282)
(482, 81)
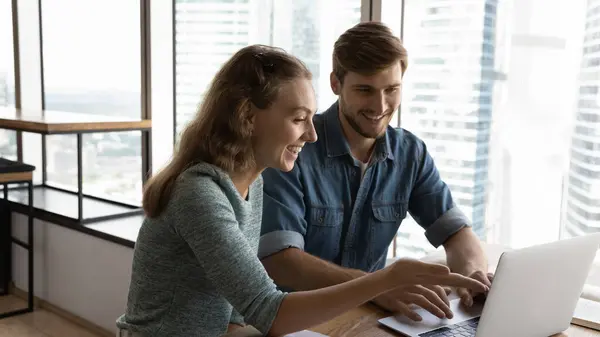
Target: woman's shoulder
(202, 180)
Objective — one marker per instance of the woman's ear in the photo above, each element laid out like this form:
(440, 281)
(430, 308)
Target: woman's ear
(248, 117)
(251, 114)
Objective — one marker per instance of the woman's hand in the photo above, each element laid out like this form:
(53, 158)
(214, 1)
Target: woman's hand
(414, 272)
(232, 327)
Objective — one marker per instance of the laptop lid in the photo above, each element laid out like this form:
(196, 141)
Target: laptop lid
(536, 289)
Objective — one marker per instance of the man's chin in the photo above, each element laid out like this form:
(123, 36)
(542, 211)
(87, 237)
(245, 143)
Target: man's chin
(372, 134)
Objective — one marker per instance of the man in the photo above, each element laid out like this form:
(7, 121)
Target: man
(333, 217)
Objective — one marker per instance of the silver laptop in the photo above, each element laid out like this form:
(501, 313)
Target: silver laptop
(534, 293)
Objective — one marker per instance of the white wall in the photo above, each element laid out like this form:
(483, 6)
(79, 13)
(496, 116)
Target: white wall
(84, 275)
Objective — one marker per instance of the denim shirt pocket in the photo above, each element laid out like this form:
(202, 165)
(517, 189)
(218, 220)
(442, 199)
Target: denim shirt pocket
(383, 227)
(389, 212)
(324, 231)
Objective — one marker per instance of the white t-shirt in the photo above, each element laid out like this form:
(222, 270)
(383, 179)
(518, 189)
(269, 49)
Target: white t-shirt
(363, 168)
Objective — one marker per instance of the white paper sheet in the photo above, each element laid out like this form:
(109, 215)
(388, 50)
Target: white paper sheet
(305, 333)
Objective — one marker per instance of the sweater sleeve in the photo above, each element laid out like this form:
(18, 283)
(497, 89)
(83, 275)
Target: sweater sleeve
(206, 221)
(236, 318)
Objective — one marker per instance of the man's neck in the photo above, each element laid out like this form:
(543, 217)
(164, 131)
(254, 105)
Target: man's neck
(360, 147)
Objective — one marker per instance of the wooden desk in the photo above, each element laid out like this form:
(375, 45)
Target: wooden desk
(48, 122)
(362, 321)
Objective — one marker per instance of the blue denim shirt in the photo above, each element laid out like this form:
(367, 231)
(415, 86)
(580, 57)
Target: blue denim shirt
(323, 207)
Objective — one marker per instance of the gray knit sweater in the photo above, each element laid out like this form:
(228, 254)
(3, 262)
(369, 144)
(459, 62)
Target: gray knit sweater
(198, 259)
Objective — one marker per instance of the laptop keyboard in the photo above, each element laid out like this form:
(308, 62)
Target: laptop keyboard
(462, 329)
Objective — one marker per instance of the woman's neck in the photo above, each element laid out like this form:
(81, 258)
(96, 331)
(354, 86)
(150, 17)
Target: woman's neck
(243, 180)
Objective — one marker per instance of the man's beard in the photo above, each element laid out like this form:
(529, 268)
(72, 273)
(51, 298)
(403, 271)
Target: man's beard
(351, 119)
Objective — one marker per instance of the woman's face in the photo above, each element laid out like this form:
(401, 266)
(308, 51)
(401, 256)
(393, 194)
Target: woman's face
(281, 131)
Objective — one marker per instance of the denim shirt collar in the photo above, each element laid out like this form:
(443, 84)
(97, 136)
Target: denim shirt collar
(337, 145)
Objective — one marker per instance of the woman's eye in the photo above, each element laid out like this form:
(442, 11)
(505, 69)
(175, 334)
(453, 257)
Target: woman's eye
(299, 120)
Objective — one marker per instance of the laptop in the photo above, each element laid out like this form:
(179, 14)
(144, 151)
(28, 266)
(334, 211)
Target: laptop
(534, 293)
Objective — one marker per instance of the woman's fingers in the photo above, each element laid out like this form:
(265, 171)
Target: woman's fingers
(457, 280)
(426, 304)
(438, 298)
(405, 310)
(441, 292)
(436, 269)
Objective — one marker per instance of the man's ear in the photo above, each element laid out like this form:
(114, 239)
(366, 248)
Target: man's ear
(336, 85)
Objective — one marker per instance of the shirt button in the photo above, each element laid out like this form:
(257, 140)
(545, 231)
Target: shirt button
(397, 215)
(321, 219)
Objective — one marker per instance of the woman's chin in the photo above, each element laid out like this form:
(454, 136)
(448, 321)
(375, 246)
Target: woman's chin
(287, 165)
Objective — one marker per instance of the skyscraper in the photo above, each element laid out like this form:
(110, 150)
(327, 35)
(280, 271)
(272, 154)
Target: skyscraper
(448, 98)
(209, 32)
(581, 196)
(3, 89)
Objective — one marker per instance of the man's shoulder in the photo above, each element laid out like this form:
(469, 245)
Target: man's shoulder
(404, 142)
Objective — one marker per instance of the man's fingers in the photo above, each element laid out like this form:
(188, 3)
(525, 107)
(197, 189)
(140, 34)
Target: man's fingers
(481, 277)
(465, 297)
(424, 303)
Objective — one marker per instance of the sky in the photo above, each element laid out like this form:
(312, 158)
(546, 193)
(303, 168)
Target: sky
(6, 54)
(87, 44)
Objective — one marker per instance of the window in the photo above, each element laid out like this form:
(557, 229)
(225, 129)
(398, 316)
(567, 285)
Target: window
(543, 153)
(209, 32)
(92, 65)
(8, 139)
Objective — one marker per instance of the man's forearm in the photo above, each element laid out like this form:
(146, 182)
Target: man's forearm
(298, 270)
(464, 253)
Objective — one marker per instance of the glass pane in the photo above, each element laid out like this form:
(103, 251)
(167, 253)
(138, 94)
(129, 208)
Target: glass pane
(8, 139)
(447, 100)
(510, 113)
(580, 211)
(92, 65)
(208, 32)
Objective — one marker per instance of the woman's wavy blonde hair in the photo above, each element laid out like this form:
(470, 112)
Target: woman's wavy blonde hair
(221, 132)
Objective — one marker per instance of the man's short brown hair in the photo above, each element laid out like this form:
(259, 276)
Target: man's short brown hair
(367, 48)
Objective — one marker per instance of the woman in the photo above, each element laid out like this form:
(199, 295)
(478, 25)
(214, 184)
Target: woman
(195, 268)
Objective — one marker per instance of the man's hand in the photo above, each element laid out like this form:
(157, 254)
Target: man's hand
(431, 298)
(467, 295)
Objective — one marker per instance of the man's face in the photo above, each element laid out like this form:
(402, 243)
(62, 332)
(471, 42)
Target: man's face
(368, 103)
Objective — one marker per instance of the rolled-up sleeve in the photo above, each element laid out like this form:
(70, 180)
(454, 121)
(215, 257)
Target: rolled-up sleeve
(431, 203)
(283, 222)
